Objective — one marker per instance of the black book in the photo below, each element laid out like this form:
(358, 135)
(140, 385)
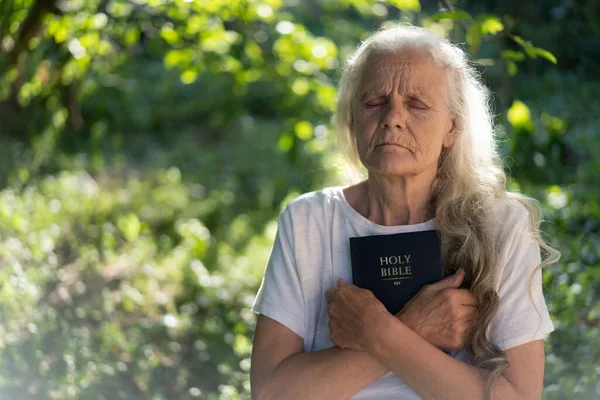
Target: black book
(395, 267)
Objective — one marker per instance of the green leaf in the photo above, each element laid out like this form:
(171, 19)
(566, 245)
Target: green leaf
(511, 68)
(98, 21)
(131, 37)
(454, 15)
(61, 34)
(242, 345)
(533, 51)
(554, 124)
(512, 55)
(189, 76)
(130, 226)
(407, 5)
(474, 36)
(120, 9)
(526, 45)
(253, 50)
(303, 130)
(519, 116)
(490, 24)
(179, 58)
(195, 24)
(169, 34)
(546, 54)
(326, 96)
(301, 86)
(285, 142)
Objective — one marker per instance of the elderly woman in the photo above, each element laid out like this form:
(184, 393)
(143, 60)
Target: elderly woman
(414, 113)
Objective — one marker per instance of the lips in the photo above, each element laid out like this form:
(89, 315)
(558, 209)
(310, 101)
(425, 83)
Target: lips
(390, 144)
(394, 145)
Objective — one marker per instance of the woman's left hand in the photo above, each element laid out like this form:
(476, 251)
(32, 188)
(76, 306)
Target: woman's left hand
(354, 315)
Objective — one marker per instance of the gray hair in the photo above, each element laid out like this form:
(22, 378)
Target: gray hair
(467, 98)
(470, 183)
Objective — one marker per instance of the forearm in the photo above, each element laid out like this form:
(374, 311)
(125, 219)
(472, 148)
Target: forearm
(332, 373)
(428, 370)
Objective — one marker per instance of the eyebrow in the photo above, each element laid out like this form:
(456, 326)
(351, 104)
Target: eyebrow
(365, 94)
(415, 92)
(420, 94)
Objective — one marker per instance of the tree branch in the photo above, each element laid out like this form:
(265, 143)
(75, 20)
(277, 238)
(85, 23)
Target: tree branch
(30, 28)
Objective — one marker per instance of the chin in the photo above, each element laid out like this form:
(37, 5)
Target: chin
(401, 167)
(394, 170)
(394, 164)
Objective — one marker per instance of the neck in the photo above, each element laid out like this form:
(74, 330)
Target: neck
(397, 200)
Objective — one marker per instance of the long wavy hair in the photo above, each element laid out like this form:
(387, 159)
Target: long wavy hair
(470, 179)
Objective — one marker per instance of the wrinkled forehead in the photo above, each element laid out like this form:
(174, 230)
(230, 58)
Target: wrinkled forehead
(411, 69)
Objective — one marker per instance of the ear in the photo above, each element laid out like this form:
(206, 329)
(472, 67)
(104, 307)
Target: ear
(450, 136)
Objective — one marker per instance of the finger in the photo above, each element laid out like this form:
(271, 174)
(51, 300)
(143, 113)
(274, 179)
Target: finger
(330, 314)
(470, 315)
(464, 315)
(342, 283)
(330, 294)
(472, 324)
(467, 298)
(470, 309)
(452, 281)
(458, 297)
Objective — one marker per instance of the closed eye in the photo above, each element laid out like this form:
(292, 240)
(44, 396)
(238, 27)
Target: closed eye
(375, 102)
(415, 103)
(412, 103)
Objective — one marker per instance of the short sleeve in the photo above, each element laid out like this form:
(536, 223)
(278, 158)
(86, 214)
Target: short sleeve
(521, 318)
(280, 294)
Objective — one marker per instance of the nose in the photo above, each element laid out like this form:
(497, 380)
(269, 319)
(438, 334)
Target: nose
(394, 115)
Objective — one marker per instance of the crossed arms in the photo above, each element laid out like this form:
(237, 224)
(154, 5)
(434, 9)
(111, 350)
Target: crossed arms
(281, 368)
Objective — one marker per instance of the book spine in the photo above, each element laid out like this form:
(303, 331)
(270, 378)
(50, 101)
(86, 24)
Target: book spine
(353, 258)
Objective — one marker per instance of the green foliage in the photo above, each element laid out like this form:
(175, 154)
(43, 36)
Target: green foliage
(147, 147)
(149, 276)
(533, 51)
(557, 162)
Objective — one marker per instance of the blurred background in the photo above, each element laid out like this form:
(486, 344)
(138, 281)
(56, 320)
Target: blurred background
(147, 147)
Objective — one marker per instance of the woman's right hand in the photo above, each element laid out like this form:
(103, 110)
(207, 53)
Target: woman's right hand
(441, 313)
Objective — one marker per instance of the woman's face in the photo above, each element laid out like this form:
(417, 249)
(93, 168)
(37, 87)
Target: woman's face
(400, 119)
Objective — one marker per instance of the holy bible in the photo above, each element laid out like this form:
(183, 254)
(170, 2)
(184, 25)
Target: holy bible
(395, 267)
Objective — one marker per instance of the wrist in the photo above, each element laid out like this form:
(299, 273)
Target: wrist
(406, 319)
(376, 344)
(413, 325)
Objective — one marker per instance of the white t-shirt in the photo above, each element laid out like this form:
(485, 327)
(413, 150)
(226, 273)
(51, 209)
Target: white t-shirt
(312, 250)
